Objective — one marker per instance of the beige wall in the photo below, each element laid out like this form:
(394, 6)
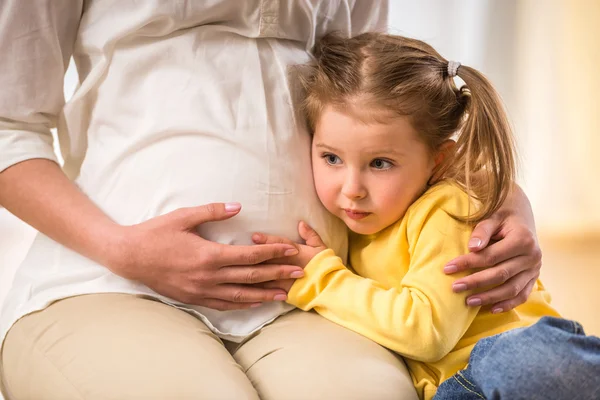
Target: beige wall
(558, 92)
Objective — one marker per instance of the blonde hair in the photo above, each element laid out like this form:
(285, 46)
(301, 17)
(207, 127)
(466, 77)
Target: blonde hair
(407, 77)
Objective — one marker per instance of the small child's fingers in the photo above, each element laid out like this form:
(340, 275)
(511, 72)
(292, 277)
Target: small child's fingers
(310, 236)
(261, 238)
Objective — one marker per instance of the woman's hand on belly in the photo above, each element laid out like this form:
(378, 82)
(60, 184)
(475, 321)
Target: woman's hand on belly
(167, 255)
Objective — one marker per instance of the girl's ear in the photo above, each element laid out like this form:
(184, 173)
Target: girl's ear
(444, 152)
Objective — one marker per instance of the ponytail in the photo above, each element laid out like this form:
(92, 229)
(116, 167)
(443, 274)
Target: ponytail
(484, 162)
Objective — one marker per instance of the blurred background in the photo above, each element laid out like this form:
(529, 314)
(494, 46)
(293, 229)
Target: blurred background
(544, 58)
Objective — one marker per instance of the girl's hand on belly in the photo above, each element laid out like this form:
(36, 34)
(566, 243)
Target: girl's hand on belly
(167, 255)
(313, 244)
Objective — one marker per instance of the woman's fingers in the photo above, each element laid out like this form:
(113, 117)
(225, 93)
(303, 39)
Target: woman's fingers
(246, 294)
(492, 276)
(508, 303)
(509, 265)
(252, 274)
(284, 284)
(515, 283)
(490, 256)
(167, 255)
(508, 296)
(190, 217)
(483, 232)
(250, 255)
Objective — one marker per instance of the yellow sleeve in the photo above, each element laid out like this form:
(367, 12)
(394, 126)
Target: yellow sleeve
(421, 318)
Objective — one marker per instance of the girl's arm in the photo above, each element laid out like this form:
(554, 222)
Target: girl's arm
(420, 318)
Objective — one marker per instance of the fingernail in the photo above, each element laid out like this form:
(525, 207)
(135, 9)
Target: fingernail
(474, 243)
(450, 269)
(256, 305)
(291, 252)
(497, 310)
(297, 274)
(474, 302)
(232, 207)
(256, 237)
(459, 287)
(280, 297)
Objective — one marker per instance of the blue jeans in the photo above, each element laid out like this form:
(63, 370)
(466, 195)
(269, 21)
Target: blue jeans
(552, 359)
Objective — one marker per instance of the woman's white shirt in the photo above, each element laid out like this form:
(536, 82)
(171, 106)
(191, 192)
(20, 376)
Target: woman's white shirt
(180, 103)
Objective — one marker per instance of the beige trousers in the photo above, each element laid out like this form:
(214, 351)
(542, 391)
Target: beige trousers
(115, 346)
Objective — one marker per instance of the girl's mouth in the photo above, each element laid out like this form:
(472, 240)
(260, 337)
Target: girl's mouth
(356, 214)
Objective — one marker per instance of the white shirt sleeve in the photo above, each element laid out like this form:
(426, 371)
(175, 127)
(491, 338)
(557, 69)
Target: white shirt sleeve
(36, 42)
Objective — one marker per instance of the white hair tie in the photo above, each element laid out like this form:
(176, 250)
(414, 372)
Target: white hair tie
(453, 68)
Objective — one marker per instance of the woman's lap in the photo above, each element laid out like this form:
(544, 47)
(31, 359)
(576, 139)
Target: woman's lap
(304, 356)
(120, 346)
(113, 346)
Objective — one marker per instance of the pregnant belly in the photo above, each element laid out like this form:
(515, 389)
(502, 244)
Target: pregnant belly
(274, 187)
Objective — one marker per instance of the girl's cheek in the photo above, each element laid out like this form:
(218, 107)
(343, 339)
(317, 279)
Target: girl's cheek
(323, 194)
(326, 196)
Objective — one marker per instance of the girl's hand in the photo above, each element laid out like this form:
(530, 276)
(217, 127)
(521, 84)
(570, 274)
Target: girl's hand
(506, 246)
(313, 246)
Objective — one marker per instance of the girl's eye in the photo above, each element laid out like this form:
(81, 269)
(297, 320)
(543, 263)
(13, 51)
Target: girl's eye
(332, 159)
(378, 163)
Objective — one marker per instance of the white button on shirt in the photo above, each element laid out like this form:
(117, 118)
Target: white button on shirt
(181, 103)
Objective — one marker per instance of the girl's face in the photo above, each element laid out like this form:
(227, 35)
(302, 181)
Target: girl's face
(368, 174)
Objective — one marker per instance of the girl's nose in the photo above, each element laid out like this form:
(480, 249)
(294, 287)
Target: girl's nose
(353, 188)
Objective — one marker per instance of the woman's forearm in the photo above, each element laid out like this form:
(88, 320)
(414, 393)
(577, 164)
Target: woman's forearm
(39, 193)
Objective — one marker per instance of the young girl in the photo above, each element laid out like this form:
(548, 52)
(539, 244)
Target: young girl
(410, 163)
